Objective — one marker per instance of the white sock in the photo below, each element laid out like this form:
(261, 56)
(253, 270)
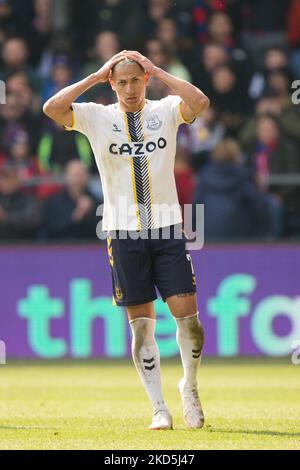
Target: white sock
(190, 339)
(146, 358)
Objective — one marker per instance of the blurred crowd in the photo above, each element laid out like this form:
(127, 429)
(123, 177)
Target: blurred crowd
(241, 158)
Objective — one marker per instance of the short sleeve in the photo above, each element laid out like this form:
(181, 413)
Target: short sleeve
(84, 117)
(173, 102)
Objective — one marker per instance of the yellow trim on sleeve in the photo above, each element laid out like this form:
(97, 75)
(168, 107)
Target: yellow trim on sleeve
(181, 115)
(71, 128)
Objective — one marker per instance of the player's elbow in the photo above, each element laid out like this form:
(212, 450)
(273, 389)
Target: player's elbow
(202, 103)
(206, 101)
(49, 109)
(54, 111)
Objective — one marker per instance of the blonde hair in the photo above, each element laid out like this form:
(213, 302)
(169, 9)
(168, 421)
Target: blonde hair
(125, 62)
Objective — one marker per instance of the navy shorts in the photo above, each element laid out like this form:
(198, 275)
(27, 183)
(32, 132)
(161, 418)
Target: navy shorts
(138, 266)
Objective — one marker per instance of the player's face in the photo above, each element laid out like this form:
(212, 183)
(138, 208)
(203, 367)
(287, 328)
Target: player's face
(129, 82)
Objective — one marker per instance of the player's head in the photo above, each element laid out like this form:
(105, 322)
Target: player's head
(129, 80)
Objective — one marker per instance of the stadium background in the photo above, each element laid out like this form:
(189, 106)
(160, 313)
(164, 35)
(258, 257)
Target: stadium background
(241, 159)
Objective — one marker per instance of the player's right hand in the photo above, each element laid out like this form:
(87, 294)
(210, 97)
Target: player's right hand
(104, 73)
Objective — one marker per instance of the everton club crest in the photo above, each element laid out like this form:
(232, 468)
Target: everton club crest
(154, 123)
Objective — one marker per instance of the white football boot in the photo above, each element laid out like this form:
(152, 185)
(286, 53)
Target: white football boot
(192, 409)
(162, 420)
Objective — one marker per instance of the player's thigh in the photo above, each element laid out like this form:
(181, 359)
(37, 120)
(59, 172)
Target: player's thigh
(131, 270)
(183, 305)
(174, 274)
(141, 311)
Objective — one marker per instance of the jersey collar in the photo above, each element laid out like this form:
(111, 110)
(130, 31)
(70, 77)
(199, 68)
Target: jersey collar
(140, 110)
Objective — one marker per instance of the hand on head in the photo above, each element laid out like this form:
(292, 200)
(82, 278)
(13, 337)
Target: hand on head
(105, 72)
(147, 65)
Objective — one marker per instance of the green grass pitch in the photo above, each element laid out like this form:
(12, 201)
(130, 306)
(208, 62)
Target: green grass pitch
(101, 405)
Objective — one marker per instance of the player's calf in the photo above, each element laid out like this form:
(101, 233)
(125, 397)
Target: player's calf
(190, 338)
(146, 358)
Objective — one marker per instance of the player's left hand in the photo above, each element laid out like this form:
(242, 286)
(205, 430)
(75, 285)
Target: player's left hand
(147, 65)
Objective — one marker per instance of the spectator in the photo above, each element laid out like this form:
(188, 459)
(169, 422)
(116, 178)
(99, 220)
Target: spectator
(57, 148)
(164, 14)
(293, 31)
(7, 17)
(41, 28)
(273, 154)
(60, 45)
(72, 213)
(19, 213)
(282, 108)
(168, 34)
(212, 56)
(270, 152)
(233, 205)
(196, 142)
(27, 167)
(158, 54)
(185, 181)
(228, 99)
(156, 11)
(263, 26)
(124, 17)
(15, 116)
(202, 9)
(220, 30)
(288, 117)
(106, 45)
(15, 58)
(184, 173)
(18, 83)
(62, 76)
(275, 60)
(204, 134)
(278, 83)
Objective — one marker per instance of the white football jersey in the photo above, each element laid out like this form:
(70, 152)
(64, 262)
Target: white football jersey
(135, 155)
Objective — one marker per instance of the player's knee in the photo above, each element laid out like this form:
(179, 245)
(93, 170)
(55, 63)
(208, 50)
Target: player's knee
(197, 331)
(142, 331)
(191, 327)
(201, 334)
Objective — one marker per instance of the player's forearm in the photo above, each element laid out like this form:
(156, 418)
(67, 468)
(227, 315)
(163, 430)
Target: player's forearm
(62, 101)
(191, 95)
